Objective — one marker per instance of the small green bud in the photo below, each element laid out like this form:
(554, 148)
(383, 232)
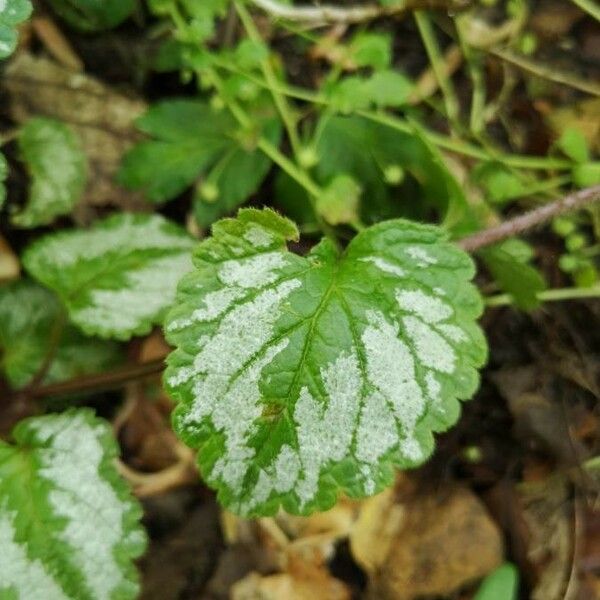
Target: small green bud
(308, 157)
(568, 263)
(576, 241)
(393, 174)
(209, 191)
(528, 43)
(472, 454)
(216, 103)
(563, 226)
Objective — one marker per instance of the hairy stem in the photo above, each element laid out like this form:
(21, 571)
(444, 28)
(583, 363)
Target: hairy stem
(324, 14)
(97, 382)
(529, 220)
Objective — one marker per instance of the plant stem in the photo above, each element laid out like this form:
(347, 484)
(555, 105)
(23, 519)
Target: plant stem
(437, 64)
(271, 79)
(527, 221)
(97, 382)
(589, 6)
(554, 295)
(457, 146)
(321, 15)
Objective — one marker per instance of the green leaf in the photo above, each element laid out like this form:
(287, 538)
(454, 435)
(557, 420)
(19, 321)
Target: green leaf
(192, 139)
(300, 377)
(29, 319)
(340, 199)
(509, 264)
(366, 150)
(501, 584)
(117, 278)
(371, 50)
(57, 167)
(12, 13)
(574, 145)
(69, 527)
(500, 183)
(237, 175)
(93, 15)
(586, 174)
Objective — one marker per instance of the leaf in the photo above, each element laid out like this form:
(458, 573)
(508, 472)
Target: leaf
(366, 150)
(586, 174)
(500, 183)
(28, 317)
(340, 199)
(117, 278)
(509, 264)
(93, 15)
(371, 50)
(236, 176)
(69, 527)
(298, 378)
(12, 13)
(574, 145)
(501, 584)
(58, 168)
(192, 139)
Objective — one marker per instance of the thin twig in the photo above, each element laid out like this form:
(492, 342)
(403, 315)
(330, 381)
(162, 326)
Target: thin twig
(522, 223)
(352, 14)
(97, 382)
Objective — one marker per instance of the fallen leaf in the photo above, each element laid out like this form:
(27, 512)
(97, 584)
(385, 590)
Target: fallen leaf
(101, 117)
(432, 546)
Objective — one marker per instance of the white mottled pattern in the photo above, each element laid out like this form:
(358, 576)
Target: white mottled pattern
(431, 348)
(128, 236)
(385, 265)
(27, 577)
(253, 272)
(453, 332)
(430, 308)
(92, 510)
(377, 430)
(215, 304)
(391, 371)
(227, 371)
(258, 236)
(421, 256)
(324, 430)
(146, 292)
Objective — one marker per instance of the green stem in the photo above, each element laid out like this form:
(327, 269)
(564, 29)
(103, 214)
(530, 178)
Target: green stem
(272, 80)
(589, 6)
(474, 66)
(437, 64)
(554, 295)
(441, 141)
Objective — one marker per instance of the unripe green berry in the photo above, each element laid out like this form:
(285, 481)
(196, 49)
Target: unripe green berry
(393, 174)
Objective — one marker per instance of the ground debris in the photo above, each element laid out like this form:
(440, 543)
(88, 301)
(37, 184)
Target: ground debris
(100, 116)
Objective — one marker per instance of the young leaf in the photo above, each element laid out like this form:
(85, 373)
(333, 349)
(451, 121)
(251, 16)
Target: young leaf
(93, 15)
(69, 527)
(117, 278)
(509, 262)
(12, 12)
(236, 176)
(501, 584)
(366, 150)
(29, 316)
(58, 169)
(192, 139)
(301, 377)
